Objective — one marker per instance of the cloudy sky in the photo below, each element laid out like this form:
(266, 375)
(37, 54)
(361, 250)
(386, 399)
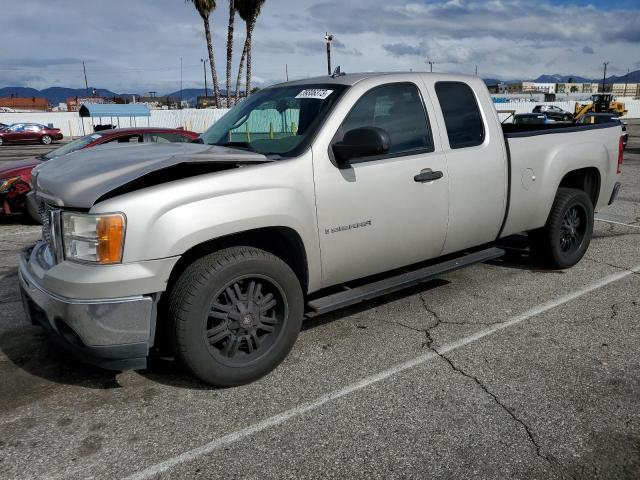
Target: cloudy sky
(136, 45)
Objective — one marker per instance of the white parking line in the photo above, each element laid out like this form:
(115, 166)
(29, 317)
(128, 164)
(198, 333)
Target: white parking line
(616, 223)
(367, 381)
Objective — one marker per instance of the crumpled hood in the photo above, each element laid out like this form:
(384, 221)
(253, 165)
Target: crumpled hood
(80, 178)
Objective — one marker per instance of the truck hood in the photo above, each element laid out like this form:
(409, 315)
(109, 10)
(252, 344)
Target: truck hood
(82, 178)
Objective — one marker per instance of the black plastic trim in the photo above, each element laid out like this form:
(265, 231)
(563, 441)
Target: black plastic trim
(551, 128)
(351, 296)
(508, 205)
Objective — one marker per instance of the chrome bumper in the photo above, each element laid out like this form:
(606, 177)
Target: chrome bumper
(113, 333)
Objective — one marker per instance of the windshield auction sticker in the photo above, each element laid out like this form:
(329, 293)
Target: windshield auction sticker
(317, 93)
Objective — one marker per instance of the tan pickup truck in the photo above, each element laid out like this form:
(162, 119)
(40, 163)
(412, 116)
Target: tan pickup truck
(306, 197)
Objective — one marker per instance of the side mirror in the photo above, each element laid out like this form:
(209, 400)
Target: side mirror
(361, 142)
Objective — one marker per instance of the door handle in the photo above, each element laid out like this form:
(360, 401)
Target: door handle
(427, 175)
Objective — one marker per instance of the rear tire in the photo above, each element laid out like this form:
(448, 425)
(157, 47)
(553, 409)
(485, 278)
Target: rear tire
(46, 140)
(565, 238)
(235, 315)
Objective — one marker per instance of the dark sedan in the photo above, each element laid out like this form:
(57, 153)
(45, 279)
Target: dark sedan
(554, 113)
(29, 133)
(15, 177)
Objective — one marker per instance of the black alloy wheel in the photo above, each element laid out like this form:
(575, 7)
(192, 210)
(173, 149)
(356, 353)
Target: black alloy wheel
(573, 229)
(245, 319)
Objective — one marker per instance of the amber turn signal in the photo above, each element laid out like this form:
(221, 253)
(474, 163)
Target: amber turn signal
(110, 233)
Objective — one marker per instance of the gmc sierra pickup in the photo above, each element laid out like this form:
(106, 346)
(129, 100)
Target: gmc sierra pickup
(306, 197)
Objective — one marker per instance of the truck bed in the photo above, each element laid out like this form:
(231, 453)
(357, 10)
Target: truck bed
(540, 156)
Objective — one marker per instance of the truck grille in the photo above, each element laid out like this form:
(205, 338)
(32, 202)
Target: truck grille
(51, 229)
(45, 215)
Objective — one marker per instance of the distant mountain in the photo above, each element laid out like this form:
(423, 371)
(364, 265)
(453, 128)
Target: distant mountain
(561, 79)
(57, 94)
(634, 77)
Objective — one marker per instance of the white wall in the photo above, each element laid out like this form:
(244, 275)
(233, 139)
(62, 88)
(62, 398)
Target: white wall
(199, 120)
(71, 124)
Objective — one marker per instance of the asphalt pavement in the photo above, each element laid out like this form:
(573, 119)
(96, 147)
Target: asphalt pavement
(501, 370)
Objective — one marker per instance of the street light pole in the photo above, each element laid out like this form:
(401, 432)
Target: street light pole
(328, 39)
(604, 77)
(204, 69)
(430, 65)
(626, 81)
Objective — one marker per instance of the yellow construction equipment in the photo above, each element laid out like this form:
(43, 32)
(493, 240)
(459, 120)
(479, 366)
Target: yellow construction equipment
(600, 103)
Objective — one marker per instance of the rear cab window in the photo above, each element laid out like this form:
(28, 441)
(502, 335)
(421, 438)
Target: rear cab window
(461, 113)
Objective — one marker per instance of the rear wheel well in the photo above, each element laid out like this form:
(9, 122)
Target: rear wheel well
(585, 179)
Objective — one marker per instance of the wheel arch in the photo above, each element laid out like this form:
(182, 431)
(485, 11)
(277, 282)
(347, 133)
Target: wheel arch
(283, 242)
(587, 179)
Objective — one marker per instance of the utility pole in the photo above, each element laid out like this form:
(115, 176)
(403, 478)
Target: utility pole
(430, 65)
(604, 77)
(476, 70)
(626, 81)
(204, 69)
(86, 84)
(286, 71)
(180, 106)
(328, 39)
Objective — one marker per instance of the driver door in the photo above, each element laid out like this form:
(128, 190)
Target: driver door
(376, 213)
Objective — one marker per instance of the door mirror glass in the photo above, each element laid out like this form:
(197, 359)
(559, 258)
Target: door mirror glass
(361, 142)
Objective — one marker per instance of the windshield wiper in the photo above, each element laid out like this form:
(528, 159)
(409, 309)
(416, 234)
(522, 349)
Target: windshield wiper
(242, 145)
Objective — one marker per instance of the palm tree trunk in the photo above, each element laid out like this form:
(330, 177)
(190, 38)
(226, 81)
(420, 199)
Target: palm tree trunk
(232, 13)
(214, 76)
(249, 34)
(240, 68)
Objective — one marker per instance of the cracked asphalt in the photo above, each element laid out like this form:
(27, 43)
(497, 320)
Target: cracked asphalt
(501, 370)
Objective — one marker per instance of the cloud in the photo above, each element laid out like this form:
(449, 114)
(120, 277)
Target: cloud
(141, 49)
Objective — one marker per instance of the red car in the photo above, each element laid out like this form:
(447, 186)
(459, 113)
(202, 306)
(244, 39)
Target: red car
(29, 132)
(15, 176)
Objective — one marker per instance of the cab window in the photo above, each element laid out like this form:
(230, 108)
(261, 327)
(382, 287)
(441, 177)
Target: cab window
(461, 114)
(398, 109)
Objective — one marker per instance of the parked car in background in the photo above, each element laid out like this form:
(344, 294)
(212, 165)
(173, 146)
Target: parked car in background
(3, 126)
(553, 112)
(597, 118)
(15, 177)
(531, 119)
(30, 133)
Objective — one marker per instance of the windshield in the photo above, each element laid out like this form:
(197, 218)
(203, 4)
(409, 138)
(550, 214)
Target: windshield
(72, 146)
(277, 121)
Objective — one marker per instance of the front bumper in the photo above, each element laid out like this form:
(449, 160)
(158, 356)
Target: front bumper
(114, 333)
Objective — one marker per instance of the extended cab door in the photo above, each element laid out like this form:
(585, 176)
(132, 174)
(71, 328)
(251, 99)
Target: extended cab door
(381, 212)
(476, 159)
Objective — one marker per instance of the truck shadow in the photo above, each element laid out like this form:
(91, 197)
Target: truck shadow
(33, 363)
(30, 350)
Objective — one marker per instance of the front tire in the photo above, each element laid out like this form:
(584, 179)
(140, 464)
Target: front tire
(565, 238)
(46, 140)
(236, 314)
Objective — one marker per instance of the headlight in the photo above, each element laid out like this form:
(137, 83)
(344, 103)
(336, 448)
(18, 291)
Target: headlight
(93, 238)
(5, 183)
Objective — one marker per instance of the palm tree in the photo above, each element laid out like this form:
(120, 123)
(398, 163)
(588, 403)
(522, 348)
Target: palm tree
(205, 8)
(232, 17)
(249, 10)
